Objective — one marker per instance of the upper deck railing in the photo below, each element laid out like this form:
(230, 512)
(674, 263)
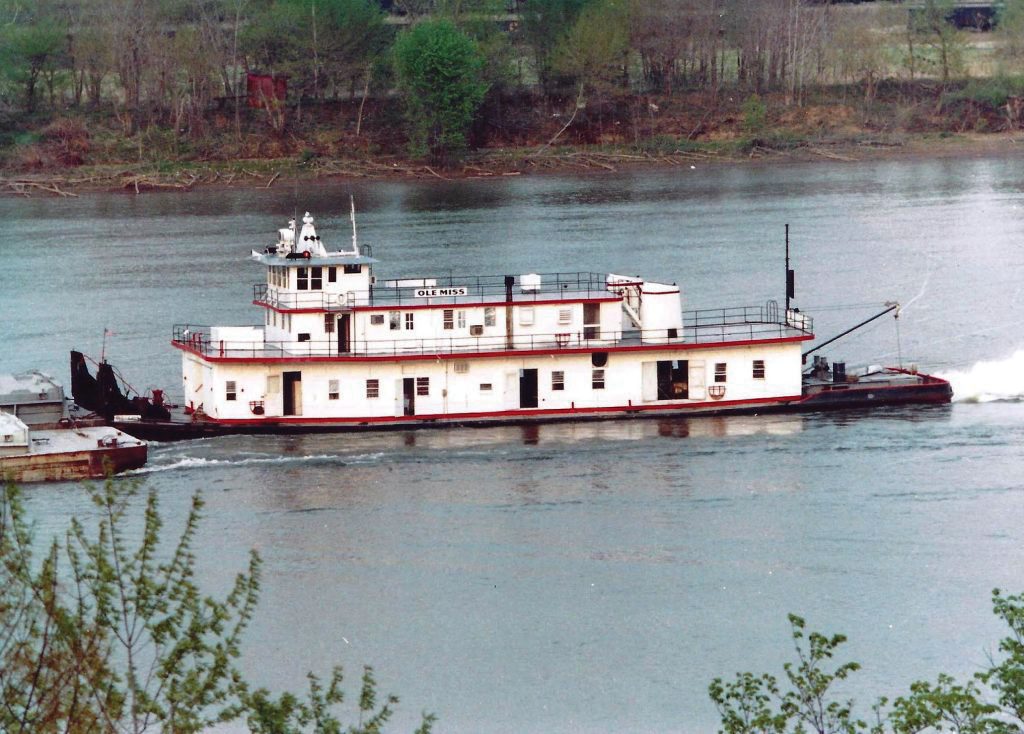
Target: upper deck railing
(473, 289)
(727, 325)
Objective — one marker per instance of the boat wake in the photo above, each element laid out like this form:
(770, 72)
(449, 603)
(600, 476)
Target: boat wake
(196, 462)
(989, 381)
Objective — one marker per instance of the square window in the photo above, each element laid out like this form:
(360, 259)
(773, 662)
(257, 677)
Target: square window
(373, 388)
(409, 321)
(332, 390)
(597, 380)
(376, 319)
(328, 323)
(490, 316)
(720, 372)
(558, 380)
(303, 337)
(758, 373)
(353, 269)
(461, 368)
(395, 319)
(461, 315)
(422, 385)
(302, 275)
(230, 390)
(485, 387)
(449, 319)
(316, 280)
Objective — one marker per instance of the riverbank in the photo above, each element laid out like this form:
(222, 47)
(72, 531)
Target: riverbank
(496, 163)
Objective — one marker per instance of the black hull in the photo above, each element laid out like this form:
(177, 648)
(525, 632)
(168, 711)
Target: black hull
(929, 391)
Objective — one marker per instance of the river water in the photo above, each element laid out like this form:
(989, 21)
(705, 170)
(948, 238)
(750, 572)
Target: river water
(591, 577)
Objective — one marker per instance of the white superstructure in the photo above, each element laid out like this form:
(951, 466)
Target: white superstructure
(339, 347)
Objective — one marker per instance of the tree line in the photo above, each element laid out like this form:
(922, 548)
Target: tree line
(168, 63)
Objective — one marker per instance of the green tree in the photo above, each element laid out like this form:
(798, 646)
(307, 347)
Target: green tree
(112, 634)
(30, 51)
(933, 41)
(759, 705)
(543, 26)
(438, 68)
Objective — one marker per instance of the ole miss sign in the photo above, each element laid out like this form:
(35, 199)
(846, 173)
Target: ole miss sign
(437, 292)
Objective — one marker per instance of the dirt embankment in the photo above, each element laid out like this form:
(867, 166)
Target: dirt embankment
(68, 158)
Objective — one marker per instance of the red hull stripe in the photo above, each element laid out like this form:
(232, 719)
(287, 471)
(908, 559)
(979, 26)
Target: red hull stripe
(527, 413)
(491, 355)
(435, 306)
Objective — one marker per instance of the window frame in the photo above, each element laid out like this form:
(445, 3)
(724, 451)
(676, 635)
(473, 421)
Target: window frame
(757, 369)
(597, 378)
(721, 372)
(372, 388)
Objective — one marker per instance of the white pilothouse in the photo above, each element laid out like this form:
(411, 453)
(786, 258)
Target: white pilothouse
(340, 348)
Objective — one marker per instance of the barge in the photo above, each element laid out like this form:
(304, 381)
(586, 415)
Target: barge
(340, 348)
(40, 442)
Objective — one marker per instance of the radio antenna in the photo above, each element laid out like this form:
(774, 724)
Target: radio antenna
(355, 238)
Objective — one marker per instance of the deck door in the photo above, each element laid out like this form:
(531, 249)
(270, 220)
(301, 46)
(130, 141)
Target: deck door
(698, 380)
(649, 381)
(528, 388)
(409, 396)
(292, 393)
(344, 333)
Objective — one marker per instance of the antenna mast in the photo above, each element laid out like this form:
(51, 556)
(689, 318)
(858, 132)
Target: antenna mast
(355, 241)
(790, 276)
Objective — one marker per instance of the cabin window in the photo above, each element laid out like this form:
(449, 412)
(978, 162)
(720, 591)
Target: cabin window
(476, 330)
(461, 368)
(461, 319)
(302, 275)
(565, 315)
(328, 323)
(758, 372)
(376, 319)
(526, 316)
(449, 319)
(316, 280)
(332, 274)
(485, 387)
(373, 388)
(353, 269)
(490, 318)
(332, 390)
(273, 384)
(597, 380)
(422, 385)
(720, 373)
(558, 380)
(409, 324)
(230, 390)
(395, 319)
(303, 337)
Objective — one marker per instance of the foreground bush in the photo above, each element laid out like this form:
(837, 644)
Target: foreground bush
(991, 702)
(106, 635)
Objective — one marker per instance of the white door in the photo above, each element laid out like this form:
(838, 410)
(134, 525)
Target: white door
(649, 381)
(698, 384)
(399, 397)
(511, 393)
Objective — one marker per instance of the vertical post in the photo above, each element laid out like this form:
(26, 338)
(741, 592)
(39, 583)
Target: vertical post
(790, 276)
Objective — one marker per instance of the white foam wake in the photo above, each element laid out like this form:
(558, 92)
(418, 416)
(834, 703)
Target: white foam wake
(194, 462)
(986, 382)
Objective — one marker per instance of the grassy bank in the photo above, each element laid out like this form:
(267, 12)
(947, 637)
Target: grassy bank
(89, 152)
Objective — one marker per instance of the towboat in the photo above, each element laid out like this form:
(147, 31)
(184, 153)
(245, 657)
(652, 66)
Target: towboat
(41, 441)
(340, 348)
